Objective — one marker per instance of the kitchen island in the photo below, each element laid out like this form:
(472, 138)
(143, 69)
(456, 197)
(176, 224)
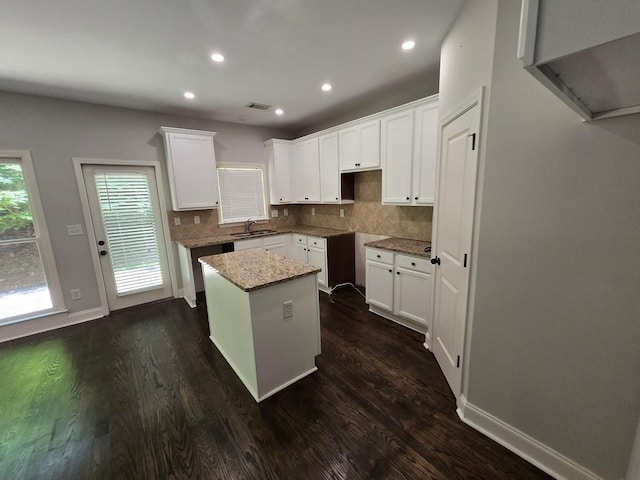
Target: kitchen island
(263, 317)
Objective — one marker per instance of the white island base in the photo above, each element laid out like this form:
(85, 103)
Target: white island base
(267, 351)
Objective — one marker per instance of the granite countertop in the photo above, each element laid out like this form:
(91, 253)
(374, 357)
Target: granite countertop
(256, 268)
(301, 229)
(402, 245)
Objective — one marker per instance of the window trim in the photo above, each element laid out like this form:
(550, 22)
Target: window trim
(42, 239)
(265, 193)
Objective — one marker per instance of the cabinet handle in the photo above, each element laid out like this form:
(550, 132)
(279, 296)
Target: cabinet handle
(415, 198)
(336, 198)
(379, 257)
(397, 273)
(390, 270)
(280, 199)
(306, 198)
(408, 198)
(413, 264)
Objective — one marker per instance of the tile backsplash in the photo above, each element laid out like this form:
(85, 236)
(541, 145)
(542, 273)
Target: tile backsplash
(209, 222)
(366, 215)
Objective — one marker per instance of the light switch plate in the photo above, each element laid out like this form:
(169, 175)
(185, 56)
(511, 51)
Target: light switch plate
(287, 309)
(76, 294)
(73, 230)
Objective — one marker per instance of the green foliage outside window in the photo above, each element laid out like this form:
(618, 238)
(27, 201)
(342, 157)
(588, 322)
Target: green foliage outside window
(15, 215)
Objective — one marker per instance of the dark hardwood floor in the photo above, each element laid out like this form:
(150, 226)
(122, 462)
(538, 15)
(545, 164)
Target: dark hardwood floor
(143, 394)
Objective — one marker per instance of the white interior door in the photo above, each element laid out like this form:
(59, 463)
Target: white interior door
(455, 206)
(127, 222)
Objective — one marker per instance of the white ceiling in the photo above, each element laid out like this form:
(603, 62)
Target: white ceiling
(146, 53)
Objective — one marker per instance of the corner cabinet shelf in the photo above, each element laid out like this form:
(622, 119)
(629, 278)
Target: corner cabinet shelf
(191, 164)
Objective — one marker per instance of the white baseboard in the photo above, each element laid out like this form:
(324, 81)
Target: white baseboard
(536, 453)
(50, 322)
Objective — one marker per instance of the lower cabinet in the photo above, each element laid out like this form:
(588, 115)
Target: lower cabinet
(334, 255)
(280, 244)
(398, 287)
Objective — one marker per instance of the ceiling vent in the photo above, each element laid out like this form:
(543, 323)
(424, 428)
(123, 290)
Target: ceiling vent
(257, 106)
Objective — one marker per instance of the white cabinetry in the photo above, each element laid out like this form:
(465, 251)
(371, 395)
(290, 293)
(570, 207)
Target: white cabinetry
(280, 244)
(191, 164)
(408, 150)
(329, 169)
(360, 146)
(398, 287)
(312, 250)
(279, 153)
(306, 171)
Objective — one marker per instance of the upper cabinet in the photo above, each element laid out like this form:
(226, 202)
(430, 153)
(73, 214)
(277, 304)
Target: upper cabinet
(359, 146)
(408, 150)
(306, 171)
(585, 52)
(191, 164)
(279, 153)
(334, 187)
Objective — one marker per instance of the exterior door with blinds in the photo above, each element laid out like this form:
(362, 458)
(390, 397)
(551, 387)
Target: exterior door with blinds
(127, 223)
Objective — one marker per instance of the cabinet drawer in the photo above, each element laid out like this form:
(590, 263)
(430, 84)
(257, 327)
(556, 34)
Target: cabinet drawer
(275, 240)
(317, 242)
(380, 256)
(413, 263)
(299, 239)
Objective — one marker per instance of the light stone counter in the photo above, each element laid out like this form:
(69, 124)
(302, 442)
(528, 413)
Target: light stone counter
(256, 268)
(402, 245)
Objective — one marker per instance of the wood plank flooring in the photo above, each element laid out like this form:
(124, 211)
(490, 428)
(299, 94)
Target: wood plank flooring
(144, 394)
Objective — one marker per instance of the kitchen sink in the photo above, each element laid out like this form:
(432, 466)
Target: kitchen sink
(252, 233)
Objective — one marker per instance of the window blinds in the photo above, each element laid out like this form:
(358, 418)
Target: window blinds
(241, 194)
(130, 228)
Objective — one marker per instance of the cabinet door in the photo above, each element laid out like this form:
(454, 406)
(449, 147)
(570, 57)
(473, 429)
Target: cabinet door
(192, 171)
(306, 178)
(279, 248)
(349, 148)
(425, 151)
(246, 244)
(299, 252)
(329, 169)
(279, 173)
(379, 283)
(412, 295)
(370, 145)
(316, 257)
(397, 157)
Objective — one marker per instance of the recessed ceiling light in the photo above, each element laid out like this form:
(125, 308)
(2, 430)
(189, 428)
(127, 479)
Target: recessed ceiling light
(279, 111)
(326, 87)
(217, 57)
(408, 45)
(189, 95)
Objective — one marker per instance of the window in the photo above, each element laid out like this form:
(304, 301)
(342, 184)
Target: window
(29, 284)
(242, 194)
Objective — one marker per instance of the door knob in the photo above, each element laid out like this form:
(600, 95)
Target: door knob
(103, 252)
(101, 242)
(435, 261)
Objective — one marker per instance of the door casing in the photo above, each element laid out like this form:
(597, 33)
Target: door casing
(84, 201)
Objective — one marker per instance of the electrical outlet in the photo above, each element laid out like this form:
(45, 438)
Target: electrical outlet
(176, 221)
(76, 294)
(285, 212)
(73, 230)
(196, 219)
(313, 211)
(274, 213)
(287, 309)
(342, 212)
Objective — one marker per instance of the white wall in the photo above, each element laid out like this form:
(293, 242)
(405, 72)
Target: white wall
(555, 329)
(54, 131)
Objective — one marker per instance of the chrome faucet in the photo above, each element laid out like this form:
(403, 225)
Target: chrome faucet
(247, 225)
